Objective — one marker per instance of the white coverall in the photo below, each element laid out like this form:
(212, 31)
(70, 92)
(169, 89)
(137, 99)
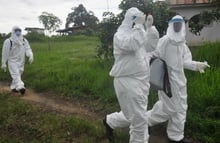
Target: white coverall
(173, 50)
(13, 53)
(152, 38)
(131, 78)
(152, 35)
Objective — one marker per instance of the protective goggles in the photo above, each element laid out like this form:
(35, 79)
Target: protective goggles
(134, 17)
(176, 20)
(18, 30)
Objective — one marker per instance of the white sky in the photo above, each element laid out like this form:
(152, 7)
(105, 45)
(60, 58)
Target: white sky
(24, 13)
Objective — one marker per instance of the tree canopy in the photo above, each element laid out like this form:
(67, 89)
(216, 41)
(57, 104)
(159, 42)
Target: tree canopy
(80, 17)
(50, 21)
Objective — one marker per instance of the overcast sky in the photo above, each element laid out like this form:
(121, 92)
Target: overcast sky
(24, 13)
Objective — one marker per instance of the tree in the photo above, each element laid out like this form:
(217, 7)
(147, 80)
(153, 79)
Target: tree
(140, 4)
(50, 21)
(80, 17)
(205, 18)
(107, 28)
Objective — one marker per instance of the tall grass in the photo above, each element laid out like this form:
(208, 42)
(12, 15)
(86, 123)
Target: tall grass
(71, 69)
(203, 120)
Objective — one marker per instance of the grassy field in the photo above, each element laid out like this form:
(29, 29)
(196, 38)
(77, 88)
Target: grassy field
(203, 120)
(21, 122)
(71, 70)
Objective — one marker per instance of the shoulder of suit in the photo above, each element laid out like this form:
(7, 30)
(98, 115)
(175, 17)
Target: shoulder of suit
(7, 40)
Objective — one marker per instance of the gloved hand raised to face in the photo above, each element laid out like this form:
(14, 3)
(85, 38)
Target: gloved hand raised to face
(31, 59)
(201, 66)
(139, 18)
(4, 67)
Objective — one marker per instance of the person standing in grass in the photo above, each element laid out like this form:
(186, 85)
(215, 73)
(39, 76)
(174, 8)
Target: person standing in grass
(131, 78)
(13, 53)
(173, 50)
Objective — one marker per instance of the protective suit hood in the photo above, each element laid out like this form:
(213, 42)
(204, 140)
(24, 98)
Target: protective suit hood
(16, 39)
(176, 36)
(129, 19)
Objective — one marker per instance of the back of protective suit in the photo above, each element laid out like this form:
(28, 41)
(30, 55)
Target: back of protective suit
(129, 50)
(129, 54)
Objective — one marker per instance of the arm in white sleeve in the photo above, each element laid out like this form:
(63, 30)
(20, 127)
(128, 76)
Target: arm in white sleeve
(28, 50)
(5, 51)
(155, 37)
(152, 38)
(188, 62)
(132, 42)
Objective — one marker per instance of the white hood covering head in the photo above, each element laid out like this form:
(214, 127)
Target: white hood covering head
(16, 39)
(129, 19)
(176, 36)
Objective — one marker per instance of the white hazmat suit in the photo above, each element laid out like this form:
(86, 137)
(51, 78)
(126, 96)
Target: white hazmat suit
(173, 50)
(152, 37)
(13, 52)
(131, 77)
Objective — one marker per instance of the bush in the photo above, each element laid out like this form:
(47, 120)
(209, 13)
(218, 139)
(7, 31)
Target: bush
(3, 37)
(35, 37)
(107, 29)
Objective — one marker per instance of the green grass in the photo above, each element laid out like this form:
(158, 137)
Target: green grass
(70, 69)
(203, 120)
(20, 122)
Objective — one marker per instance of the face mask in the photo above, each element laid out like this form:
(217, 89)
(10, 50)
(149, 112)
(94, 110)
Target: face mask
(18, 33)
(177, 26)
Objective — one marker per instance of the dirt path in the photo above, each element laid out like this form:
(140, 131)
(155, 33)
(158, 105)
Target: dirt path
(54, 103)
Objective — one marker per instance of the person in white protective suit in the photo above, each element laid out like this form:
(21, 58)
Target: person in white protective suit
(173, 50)
(131, 78)
(13, 53)
(152, 35)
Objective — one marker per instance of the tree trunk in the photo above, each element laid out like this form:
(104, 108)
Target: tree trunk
(49, 43)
